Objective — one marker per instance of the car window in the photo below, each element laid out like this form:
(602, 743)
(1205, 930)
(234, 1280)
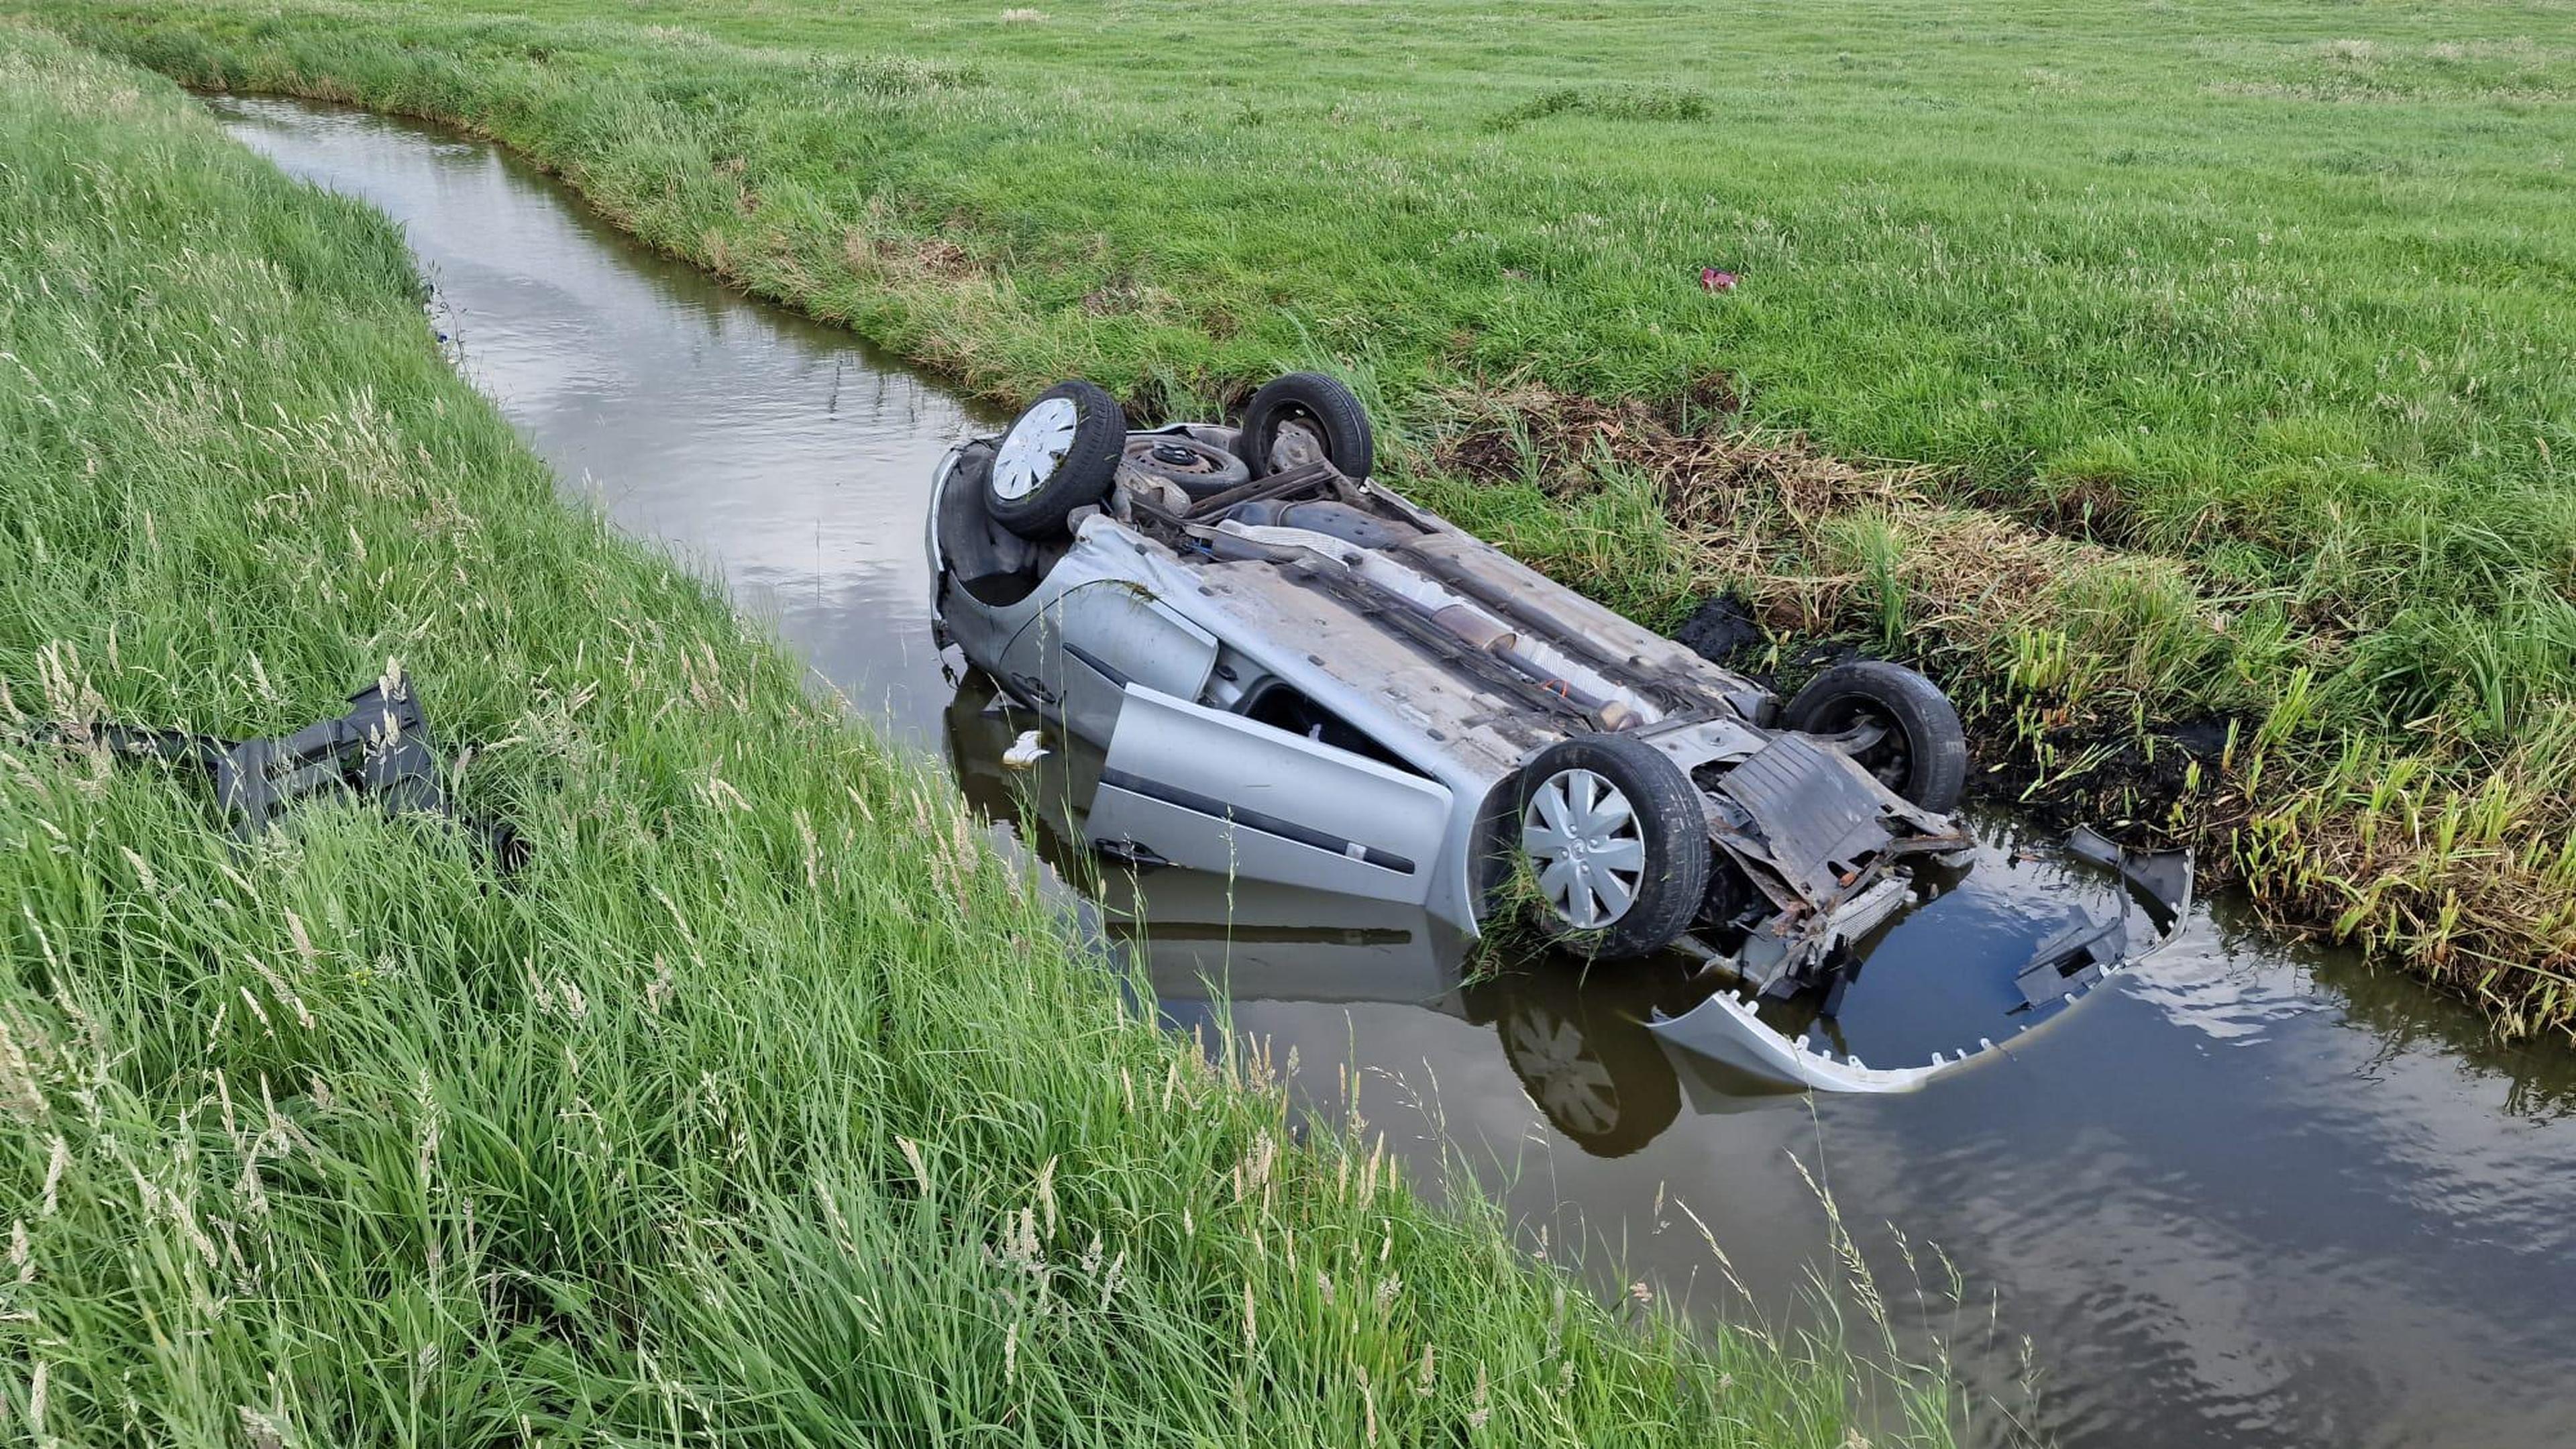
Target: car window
(1285, 708)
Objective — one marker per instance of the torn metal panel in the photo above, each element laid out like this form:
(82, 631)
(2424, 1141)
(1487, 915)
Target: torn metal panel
(1817, 816)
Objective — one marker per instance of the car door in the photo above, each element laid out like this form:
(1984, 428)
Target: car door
(1213, 791)
(1080, 653)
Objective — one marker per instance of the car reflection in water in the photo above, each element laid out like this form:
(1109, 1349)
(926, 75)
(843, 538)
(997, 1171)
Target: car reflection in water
(1577, 1039)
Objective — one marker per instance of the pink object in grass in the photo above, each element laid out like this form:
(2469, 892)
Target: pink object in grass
(1713, 280)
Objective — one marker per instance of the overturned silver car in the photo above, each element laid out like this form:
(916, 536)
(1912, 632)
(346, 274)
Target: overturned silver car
(1299, 677)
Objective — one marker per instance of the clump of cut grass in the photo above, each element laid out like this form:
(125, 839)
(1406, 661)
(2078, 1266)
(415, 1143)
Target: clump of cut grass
(764, 1104)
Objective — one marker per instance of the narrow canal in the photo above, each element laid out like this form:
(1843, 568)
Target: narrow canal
(2247, 1195)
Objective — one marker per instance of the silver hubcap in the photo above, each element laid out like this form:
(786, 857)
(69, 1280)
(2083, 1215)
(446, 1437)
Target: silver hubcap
(1034, 448)
(1582, 838)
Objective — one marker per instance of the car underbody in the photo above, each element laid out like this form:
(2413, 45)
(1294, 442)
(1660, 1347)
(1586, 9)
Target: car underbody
(1297, 677)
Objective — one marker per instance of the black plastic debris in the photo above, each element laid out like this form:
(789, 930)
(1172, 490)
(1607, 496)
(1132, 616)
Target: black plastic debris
(379, 751)
(2162, 878)
(2072, 960)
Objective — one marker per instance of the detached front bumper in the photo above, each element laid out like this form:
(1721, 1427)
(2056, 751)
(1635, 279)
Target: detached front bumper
(2064, 968)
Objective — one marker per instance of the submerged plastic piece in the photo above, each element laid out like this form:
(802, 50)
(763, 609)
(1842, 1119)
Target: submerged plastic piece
(2162, 877)
(2073, 960)
(2086, 843)
(2070, 963)
(1024, 752)
(1715, 1086)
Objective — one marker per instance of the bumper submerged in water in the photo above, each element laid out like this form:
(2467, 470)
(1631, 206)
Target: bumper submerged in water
(2066, 965)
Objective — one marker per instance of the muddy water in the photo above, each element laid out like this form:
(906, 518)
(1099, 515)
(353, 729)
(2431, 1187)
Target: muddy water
(2247, 1195)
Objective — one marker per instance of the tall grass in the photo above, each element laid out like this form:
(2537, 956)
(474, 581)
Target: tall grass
(2224, 346)
(764, 1106)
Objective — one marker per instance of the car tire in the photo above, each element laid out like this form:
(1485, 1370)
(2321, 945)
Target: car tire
(1302, 417)
(1055, 457)
(1616, 838)
(1923, 757)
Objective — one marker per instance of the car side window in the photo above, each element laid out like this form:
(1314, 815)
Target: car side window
(1285, 708)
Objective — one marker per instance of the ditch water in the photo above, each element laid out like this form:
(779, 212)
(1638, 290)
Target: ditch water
(2248, 1194)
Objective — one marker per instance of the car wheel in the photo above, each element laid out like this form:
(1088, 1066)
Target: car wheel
(1055, 457)
(1921, 753)
(1616, 839)
(1306, 417)
(1202, 469)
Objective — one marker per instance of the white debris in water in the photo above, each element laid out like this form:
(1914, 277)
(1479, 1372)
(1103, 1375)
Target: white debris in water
(1024, 752)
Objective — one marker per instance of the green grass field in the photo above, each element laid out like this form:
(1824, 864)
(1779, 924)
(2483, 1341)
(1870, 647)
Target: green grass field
(766, 1105)
(2133, 367)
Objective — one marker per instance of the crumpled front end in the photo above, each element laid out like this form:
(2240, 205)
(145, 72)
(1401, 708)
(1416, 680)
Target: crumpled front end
(1825, 850)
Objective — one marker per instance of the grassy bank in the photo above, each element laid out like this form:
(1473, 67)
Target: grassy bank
(2226, 346)
(763, 1105)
